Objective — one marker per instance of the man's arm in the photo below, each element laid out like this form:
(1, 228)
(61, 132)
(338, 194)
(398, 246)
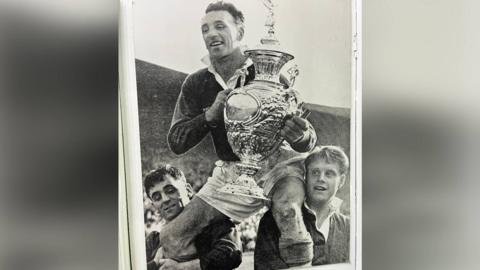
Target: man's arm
(152, 245)
(189, 125)
(152, 265)
(300, 134)
(169, 264)
(267, 254)
(224, 251)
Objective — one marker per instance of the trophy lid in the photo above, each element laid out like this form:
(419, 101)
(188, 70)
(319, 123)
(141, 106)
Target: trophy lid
(267, 44)
(268, 57)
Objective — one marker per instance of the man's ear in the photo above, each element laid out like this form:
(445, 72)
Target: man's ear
(241, 32)
(342, 181)
(189, 190)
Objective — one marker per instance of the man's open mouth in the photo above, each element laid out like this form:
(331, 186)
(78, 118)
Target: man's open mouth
(320, 188)
(216, 43)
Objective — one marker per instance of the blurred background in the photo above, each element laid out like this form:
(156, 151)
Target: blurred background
(420, 130)
(58, 135)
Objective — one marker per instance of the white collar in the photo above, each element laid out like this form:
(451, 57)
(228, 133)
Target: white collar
(334, 206)
(232, 82)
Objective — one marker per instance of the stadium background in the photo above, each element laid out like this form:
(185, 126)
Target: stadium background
(158, 88)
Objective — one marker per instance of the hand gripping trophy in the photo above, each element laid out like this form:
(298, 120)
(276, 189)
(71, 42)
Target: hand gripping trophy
(255, 113)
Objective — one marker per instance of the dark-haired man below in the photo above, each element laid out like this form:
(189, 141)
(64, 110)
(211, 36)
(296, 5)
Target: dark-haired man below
(199, 112)
(326, 170)
(216, 246)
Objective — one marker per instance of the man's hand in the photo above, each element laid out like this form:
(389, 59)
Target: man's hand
(295, 130)
(159, 255)
(215, 112)
(168, 264)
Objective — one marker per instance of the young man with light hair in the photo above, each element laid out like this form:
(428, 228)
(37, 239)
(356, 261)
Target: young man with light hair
(326, 170)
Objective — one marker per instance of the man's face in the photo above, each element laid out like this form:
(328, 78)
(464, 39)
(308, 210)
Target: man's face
(323, 181)
(169, 197)
(220, 33)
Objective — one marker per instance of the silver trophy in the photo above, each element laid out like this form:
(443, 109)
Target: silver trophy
(255, 113)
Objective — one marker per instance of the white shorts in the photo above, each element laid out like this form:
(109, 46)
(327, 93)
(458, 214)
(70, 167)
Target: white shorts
(284, 163)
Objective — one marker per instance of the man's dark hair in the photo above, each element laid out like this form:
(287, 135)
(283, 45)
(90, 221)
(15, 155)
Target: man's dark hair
(331, 154)
(156, 176)
(229, 7)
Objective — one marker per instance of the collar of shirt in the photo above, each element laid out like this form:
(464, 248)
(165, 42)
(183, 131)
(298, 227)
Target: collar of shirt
(232, 82)
(334, 206)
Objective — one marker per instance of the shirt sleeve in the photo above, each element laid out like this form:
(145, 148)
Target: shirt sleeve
(189, 125)
(224, 251)
(152, 265)
(152, 243)
(309, 141)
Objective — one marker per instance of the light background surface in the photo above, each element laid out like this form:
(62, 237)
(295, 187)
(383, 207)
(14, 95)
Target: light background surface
(317, 33)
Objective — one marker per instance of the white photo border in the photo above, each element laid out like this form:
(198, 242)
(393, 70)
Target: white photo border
(131, 228)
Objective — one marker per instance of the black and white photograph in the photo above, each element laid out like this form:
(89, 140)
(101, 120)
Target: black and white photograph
(245, 114)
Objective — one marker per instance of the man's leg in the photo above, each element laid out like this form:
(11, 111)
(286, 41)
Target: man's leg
(207, 206)
(295, 243)
(177, 237)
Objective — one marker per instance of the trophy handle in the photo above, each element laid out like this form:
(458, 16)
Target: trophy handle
(293, 72)
(295, 107)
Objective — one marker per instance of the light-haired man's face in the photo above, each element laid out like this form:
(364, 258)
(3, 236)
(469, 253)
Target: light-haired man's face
(220, 33)
(323, 180)
(169, 197)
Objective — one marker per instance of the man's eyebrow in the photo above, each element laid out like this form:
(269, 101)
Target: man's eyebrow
(169, 186)
(214, 22)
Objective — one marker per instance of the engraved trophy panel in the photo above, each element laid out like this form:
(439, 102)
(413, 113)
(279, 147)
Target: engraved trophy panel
(255, 113)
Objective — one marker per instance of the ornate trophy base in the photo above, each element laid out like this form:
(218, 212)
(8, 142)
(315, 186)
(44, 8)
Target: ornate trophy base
(245, 184)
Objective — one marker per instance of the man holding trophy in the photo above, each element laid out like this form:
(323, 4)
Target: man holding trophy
(257, 130)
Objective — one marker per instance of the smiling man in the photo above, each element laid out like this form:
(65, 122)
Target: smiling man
(215, 247)
(199, 112)
(326, 169)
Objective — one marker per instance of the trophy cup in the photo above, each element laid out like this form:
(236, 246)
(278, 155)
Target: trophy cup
(255, 113)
